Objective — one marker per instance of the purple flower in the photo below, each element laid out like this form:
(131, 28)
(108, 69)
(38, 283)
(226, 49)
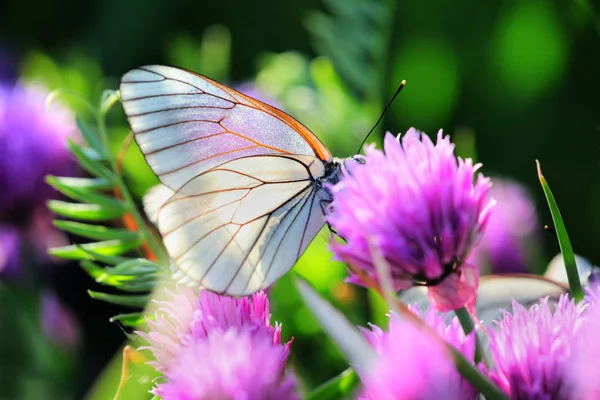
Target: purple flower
(414, 365)
(584, 369)
(417, 203)
(10, 249)
(531, 350)
(510, 230)
(232, 365)
(33, 145)
(190, 315)
(58, 323)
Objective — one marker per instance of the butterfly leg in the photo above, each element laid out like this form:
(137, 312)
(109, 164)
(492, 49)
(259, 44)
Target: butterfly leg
(323, 204)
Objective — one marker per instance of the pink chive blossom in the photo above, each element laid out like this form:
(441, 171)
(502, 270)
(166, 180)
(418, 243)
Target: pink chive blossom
(584, 369)
(531, 350)
(189, 315)
(421, 206)
(413, 365)
(236, 365)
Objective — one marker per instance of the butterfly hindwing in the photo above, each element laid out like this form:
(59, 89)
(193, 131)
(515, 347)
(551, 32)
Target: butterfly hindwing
(237, 228)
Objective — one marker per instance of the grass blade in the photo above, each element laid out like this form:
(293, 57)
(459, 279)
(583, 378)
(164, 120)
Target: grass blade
(563, 239)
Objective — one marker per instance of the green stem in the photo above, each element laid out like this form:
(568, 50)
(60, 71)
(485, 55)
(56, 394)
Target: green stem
(469, 326)
(336, 387)
(478, 380)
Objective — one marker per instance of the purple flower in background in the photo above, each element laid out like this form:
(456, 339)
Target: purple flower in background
(418, 204)
(414, 365)
(10, 246)
(233, 365)
(190, 315)
(33, 145)
(510, 230)
(58, 323)
(531, 350)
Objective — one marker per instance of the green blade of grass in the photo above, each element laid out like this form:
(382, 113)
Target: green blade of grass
(563, 239)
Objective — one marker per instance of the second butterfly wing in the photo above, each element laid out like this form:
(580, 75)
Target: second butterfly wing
(245, 203)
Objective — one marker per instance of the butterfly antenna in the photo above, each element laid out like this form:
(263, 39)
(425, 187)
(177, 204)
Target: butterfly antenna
(402, 84)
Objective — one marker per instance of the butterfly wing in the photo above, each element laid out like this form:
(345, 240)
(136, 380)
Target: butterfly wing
(239, 227)
(239, 175)
(496, 293)
(186, 124)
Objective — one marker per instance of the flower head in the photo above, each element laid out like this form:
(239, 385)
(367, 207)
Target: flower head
(417, 203)
(510, 230)
(234, 365)
(190, 315)
(414, 365)
(531, 350)
(584, 368)
(33, 144)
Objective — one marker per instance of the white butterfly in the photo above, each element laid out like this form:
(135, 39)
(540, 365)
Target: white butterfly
(244, 183)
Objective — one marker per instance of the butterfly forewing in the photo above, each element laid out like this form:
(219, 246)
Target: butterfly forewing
(186, 124)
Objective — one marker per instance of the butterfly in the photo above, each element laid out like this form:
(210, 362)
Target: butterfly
(245, 185)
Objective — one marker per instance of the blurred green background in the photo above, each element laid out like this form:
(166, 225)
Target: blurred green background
(510, 81)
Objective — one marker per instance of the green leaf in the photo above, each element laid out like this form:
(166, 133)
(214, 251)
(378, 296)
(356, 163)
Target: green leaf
(137, 266)
(138, 301)
(89, 184)
(139, 285)
(336, 388)
(110, 260)
(84, 195)
(91, 138)
(132, 320)
(106, 248)
(93, 166)
(96, 232)
(86, 212)
(112, 277)
(563, 239)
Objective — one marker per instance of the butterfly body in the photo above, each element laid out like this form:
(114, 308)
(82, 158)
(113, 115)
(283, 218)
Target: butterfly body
(246, 186)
